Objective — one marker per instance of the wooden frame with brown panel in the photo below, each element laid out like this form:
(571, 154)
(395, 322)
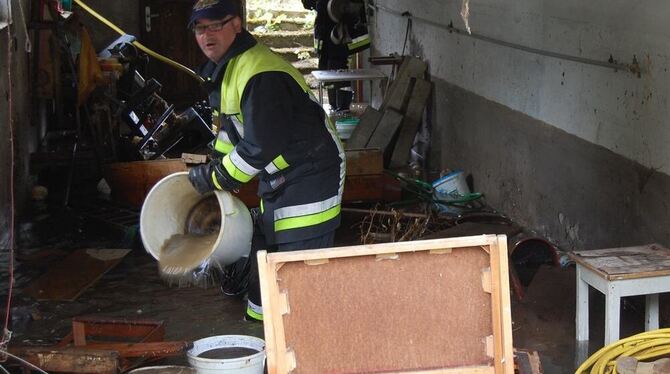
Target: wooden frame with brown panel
(431, 306)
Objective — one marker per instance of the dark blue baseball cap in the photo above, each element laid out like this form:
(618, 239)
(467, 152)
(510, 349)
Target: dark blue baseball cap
(213, 9)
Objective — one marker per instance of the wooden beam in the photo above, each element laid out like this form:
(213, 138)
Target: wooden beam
(78, 333)
(400, 89)
(145, 350)
(385, 132)
(374, 249)
(410, 123)
(70, 360)
(190, 158)
(385, 213)
(120, 327)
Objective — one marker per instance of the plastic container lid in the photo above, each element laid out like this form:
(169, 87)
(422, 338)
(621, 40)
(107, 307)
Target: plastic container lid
(350, 121)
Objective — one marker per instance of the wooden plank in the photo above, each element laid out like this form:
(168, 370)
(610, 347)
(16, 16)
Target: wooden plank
(190, 158)
(363, 131)
(145, 350)
(364, 162)
(387, 213)
(68, 279)
(399, 97)
(504, 354)
(121, 327)
(385, 132)
(496, 307)
(378, 324)
(78, 333)
(70, 360)
(410, 123)
(460, 370)
(268, 282)
(375, 249)
(400, 88)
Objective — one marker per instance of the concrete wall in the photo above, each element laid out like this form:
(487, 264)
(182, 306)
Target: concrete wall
(14, 63)
(574, 150)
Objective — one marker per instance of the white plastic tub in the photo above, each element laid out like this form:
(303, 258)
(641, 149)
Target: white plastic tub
(166, 369)
(253, 364)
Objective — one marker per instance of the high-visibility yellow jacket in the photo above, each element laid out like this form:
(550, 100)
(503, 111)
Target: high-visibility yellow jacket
(273, 128)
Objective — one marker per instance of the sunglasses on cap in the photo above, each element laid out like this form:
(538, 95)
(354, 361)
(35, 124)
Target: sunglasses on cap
(214, 26)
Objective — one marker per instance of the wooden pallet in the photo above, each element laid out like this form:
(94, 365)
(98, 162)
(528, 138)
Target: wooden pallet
(431, 306)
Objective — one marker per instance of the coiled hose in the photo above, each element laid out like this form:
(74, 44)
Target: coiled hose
(139, 45)
(644, 346)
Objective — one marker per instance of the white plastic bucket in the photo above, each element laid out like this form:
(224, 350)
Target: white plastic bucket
(451, 187)
(165, 369)
(253, 364)
(166, 209)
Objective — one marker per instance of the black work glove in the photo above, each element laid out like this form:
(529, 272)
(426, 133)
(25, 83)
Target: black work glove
(201, 177)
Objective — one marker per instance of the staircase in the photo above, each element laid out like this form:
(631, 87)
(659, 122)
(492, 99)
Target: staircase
(287, 28)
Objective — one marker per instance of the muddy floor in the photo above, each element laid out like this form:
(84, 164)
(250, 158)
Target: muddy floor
(542, 321)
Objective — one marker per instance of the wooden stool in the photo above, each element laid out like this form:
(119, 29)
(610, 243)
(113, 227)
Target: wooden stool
(620, 272)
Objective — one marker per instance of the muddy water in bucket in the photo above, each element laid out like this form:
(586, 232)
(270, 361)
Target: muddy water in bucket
(231, 354)
(182, 253)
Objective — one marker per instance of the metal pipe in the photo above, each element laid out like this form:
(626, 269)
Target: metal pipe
(633, 67)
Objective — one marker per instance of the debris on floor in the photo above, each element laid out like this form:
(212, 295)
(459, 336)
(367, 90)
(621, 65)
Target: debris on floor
(98, 345)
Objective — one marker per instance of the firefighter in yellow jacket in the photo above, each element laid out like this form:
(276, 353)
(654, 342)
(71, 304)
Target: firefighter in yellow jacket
(272, 128)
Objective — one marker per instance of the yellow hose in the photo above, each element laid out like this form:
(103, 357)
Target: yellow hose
(644, 346)
(139, 45)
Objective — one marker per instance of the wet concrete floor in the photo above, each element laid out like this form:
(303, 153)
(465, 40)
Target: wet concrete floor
(542, 321)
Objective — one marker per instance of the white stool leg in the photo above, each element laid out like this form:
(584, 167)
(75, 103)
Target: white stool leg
(321, 93)
(582, 313)
(651, 313)
(612, 311)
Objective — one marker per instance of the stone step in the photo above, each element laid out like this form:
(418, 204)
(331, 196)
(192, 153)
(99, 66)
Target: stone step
(285, 39)
(288, 24)
(294, 54)
(255, 11)
(306, 66)
(312, 83)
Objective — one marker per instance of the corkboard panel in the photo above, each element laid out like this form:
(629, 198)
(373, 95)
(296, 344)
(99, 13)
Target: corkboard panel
(366, 315)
